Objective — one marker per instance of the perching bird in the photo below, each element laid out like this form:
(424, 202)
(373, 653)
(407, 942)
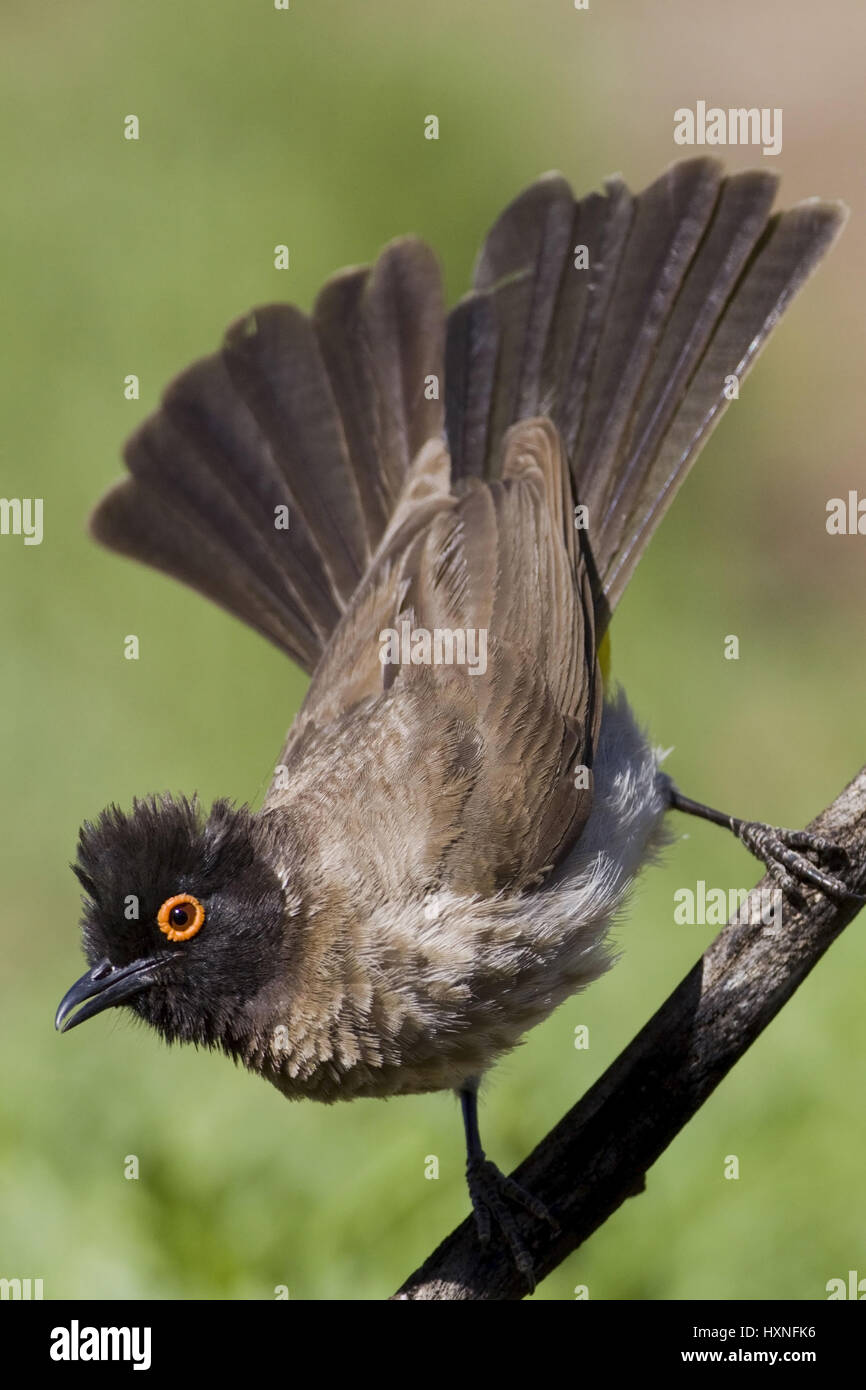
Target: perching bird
(378, 488)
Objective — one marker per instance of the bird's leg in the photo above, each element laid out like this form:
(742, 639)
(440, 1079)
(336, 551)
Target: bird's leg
(491, 1191)
(783, 852)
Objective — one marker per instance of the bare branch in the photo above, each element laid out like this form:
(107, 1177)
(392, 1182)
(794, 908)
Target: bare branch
(600, 1151)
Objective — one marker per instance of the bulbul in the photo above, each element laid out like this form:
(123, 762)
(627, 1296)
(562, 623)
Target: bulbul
(435, 515)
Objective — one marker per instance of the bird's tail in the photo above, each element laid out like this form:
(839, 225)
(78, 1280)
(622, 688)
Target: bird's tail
(272, 471)
(625, 319)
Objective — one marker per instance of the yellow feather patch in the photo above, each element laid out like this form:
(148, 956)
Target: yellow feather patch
(604, 656)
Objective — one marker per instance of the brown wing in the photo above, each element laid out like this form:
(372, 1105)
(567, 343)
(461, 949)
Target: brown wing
(468, 777)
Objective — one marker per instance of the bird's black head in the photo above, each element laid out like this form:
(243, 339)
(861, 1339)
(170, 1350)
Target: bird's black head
(183, 919)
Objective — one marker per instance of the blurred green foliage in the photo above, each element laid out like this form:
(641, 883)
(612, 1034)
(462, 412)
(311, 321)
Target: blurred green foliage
(306, 127)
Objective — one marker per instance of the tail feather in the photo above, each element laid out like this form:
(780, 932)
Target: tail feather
(275, 366)
(471, 350)
(318, 417)
(628, 356)
(788, 252)
(601, 225)
(381, 333)
(139, 522)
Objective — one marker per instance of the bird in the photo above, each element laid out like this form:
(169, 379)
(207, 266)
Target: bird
(435, 514)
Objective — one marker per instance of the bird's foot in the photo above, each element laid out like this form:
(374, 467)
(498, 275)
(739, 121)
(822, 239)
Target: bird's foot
(783, 853)
(492, 1193)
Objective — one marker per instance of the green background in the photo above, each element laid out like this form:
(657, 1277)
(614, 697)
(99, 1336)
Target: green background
(306, 127)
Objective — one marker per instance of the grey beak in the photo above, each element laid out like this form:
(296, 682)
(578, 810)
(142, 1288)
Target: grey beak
(101, 988)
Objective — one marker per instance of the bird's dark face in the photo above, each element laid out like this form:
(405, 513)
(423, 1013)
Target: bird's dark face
(183, 919)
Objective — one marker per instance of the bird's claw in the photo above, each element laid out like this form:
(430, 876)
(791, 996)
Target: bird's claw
(780, 851)
(491, 1192)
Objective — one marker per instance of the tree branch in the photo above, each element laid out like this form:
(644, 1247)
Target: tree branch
(599, 1152)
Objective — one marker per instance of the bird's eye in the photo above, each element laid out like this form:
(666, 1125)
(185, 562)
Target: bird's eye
(180, 917)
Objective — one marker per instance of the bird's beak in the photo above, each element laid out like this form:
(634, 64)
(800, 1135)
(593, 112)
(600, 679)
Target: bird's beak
(102, 987)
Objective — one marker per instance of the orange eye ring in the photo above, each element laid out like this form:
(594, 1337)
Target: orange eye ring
(180, 917)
